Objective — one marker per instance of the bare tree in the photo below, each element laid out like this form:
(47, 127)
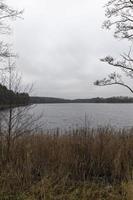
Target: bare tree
(6, 14)
(120, 17)
(17, 120)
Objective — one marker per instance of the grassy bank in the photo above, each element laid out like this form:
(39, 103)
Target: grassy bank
(80, 164)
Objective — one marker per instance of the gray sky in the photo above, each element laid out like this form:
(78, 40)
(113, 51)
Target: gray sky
(60, 42)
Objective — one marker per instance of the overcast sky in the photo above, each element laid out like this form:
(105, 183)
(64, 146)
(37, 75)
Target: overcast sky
(60, 42)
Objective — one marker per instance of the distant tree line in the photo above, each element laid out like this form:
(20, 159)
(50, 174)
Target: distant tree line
(8, 97)
(39, 100)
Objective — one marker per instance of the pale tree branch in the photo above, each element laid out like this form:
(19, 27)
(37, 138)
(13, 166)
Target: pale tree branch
(119, 14)
(100, 83)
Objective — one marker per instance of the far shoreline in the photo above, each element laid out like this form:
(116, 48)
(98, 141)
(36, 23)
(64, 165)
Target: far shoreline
(53, 100)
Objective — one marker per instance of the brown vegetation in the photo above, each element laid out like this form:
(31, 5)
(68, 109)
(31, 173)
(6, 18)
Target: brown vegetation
(76, 161)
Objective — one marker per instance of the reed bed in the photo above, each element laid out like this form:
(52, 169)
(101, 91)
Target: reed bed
(68, 164)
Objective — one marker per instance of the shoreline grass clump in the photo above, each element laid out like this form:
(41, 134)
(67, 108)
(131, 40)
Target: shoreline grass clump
(79, 162)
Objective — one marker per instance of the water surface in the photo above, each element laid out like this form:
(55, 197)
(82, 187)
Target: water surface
(65, 116)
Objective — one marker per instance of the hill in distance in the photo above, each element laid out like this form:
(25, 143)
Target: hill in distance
(42, 100)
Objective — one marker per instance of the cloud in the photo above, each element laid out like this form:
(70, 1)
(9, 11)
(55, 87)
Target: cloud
(60, 43)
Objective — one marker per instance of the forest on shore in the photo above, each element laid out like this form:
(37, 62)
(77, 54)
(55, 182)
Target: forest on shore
(39, 100)
(9, 97)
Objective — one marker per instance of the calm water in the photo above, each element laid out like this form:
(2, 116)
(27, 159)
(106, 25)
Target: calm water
(66, 116)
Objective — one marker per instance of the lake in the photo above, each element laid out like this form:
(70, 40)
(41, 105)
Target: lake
(65, 116)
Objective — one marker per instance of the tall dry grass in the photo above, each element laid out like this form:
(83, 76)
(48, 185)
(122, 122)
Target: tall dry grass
(82, 155)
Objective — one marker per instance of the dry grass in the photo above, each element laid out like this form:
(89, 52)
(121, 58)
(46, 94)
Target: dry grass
(79, 164)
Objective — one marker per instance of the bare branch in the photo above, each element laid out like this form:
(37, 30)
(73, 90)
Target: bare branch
(119, 14)
(113, 79)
